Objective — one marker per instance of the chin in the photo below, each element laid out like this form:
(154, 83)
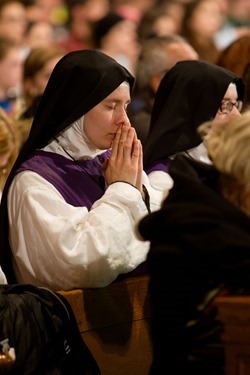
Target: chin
(104, 147)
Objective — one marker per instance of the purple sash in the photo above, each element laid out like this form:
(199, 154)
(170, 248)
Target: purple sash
(160, 165)
(80, 182)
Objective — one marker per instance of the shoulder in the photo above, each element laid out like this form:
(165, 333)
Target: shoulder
(28, 183)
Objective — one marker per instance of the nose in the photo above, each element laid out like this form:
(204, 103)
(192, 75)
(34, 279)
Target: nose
(122, 118)
(234, 113)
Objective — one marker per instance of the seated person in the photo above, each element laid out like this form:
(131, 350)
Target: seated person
(189, 94)
(158, 55)
(200, 249)
(72, 198)
(37, 68)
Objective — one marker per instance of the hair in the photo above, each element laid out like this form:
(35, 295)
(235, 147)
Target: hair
(33, 64)
(9, 144)
(206, 49)
(229, 59)
(229, 146)
(103, 26)
(153, 59)
(229, 149)
(36, 60)
(165, 10)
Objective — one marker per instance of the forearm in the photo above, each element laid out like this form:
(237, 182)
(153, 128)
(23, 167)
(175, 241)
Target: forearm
(66, 247)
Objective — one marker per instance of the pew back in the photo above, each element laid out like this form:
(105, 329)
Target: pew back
(115, 324)
(234, 313)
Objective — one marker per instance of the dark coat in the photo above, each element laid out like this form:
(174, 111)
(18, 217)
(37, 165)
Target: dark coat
(200, 243)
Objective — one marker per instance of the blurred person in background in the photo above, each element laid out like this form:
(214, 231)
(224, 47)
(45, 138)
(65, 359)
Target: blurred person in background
(158, 55)
(11, 67)
(239, 13)
(81, 15)
(117, 37)
(132, 9)
(164, 19)
(9, 150)
(37, 69)
(9, 146)
(40, 34)
(202, 19)
(52, 12)
(13, 21)
(236, 22)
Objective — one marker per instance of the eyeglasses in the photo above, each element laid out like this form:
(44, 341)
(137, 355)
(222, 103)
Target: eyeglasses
(227, 106)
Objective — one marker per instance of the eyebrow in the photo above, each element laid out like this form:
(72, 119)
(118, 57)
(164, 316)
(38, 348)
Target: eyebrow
(116, 101)
(230, 98)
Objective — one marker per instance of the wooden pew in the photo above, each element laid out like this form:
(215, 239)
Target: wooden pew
(234, 313)
(114, 323)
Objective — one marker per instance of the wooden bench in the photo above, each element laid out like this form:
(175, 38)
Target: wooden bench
(114, 323)
(234, 313)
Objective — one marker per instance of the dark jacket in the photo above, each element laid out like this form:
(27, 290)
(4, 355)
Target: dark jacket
(200, 248)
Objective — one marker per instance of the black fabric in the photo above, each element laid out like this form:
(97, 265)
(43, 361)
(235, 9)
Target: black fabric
(200, 243)
(189, 94)
(79, 81)
(40, 325)
(140, 120)
(199, 214)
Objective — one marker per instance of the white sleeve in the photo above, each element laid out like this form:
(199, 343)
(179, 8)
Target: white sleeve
(158, 184)
(3, 279)
(62, 246)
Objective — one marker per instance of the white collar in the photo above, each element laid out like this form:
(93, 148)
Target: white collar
(199, 153)
(73, 143)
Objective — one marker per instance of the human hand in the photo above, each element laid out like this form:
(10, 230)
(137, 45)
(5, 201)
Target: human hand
(125, 163)
(137, 150)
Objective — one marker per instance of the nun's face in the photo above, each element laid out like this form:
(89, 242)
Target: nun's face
(102, 121)
(230, 106)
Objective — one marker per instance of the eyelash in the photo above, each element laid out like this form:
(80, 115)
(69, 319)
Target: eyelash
(114, 106)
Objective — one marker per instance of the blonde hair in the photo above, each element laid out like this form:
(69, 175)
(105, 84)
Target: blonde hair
(9, 144)
(228, 147)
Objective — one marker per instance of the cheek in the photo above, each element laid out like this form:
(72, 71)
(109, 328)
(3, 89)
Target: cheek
(92, 125)
(218, 119)
(91, 118)
(88, 125)
(97, 120)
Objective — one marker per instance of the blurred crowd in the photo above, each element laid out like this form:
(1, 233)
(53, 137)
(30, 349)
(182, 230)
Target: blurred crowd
(146, 36)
